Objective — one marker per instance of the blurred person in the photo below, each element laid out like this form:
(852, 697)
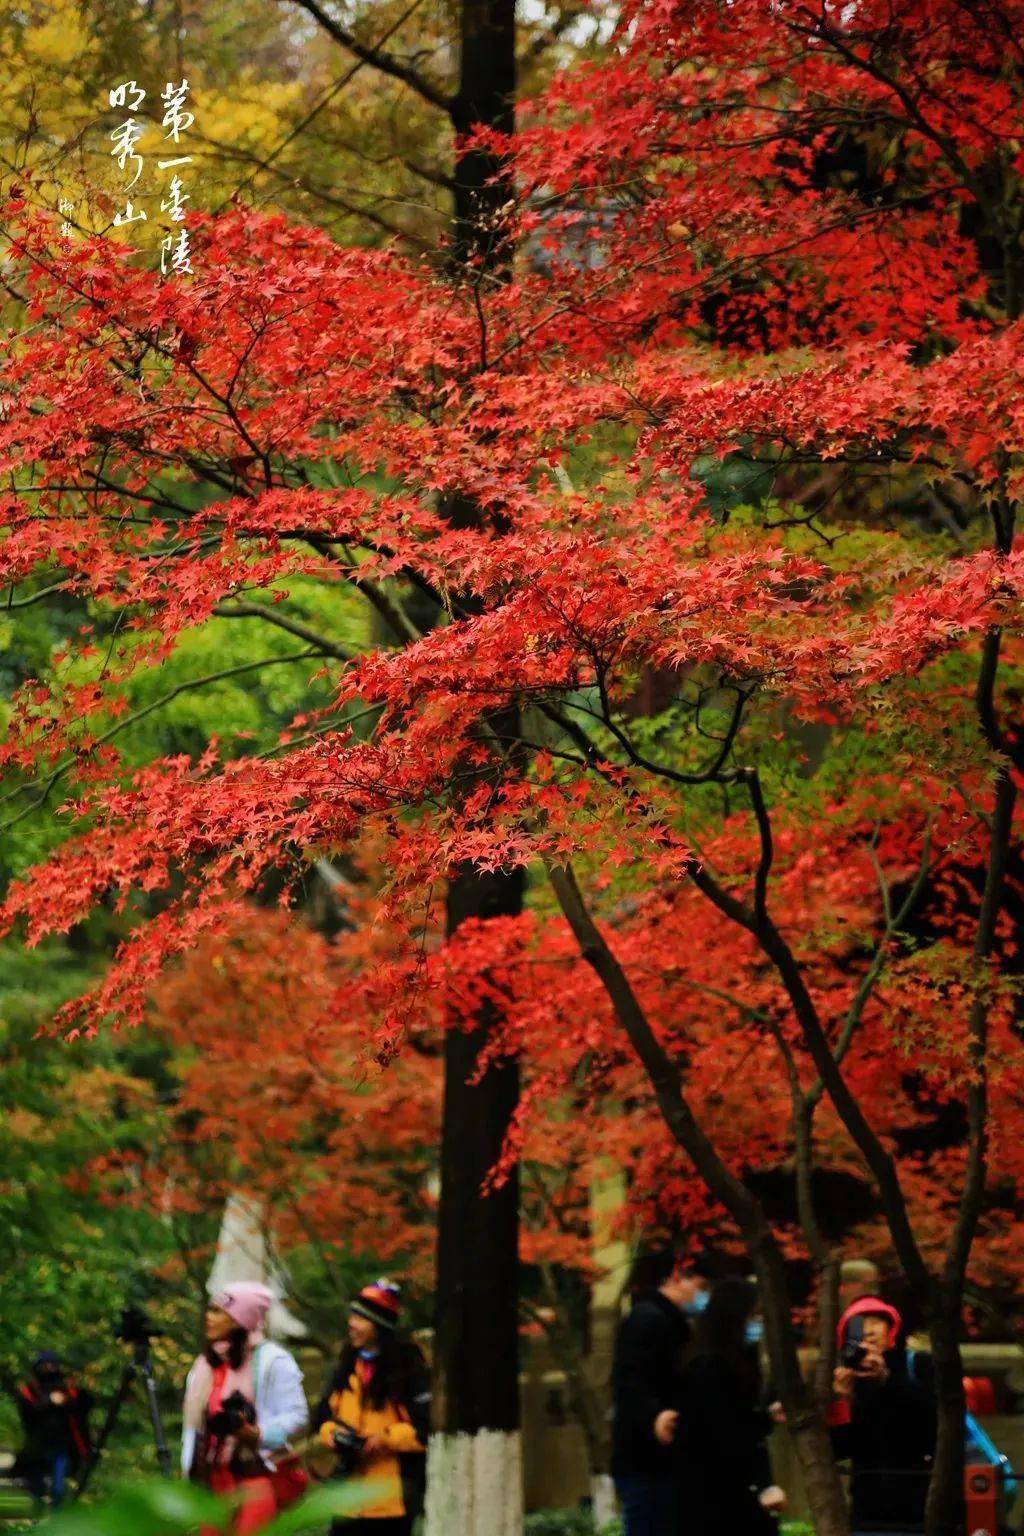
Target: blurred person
(55, 1422)
(721, 1464)
(375, 1416)
(650, 1348)
(244, 1403)
(883, 1420)
(858, 1278)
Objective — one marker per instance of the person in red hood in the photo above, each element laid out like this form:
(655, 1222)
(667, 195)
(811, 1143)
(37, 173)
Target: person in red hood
(883, 1419)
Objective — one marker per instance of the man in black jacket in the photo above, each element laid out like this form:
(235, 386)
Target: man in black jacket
(646, 1385)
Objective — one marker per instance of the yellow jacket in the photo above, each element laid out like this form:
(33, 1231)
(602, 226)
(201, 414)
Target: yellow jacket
(392, 1426)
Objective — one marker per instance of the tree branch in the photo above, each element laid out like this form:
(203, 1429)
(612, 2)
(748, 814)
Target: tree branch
(190, 686)
(241, 608)
(665, 1078)
(894, 922)
(776, 949)
(378, 58)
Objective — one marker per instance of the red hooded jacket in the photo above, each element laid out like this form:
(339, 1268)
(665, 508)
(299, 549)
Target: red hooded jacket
(867, 1306)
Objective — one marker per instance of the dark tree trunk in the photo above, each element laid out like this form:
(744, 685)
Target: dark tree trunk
(486, 95)
(475, 1484)
(477, 1292)
(944, 1512)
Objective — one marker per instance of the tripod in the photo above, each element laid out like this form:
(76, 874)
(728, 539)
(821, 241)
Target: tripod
(140, 1365)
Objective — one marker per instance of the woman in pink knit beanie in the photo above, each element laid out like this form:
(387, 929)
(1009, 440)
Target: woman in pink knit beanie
(247, 1303)
(243, 1404)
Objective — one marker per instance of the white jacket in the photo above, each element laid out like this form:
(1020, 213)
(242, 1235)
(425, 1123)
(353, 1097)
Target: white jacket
(281, 1408)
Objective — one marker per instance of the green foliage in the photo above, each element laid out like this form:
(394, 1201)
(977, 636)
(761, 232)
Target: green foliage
(578, 1522)
(566, 1522)
(159, 1508)
(69, 1260)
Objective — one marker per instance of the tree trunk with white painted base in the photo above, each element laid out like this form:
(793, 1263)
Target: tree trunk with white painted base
(474, 1466)
(603, 1503)
(475, 1484)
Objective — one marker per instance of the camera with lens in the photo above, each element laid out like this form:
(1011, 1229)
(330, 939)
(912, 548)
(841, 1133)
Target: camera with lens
(853, 1356)
(134, 1327)
(233, 1412)
(348, 1447)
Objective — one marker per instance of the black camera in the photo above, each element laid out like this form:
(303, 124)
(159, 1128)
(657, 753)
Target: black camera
(348, 1447)
(135, 1327)
(853, 1356)
(233, 1412)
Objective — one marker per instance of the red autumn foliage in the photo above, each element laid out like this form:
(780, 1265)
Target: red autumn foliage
(802, 262)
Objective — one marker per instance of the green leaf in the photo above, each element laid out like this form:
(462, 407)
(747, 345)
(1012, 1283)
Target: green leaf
(161, 1508)
(323, 1505)
(155, 1508)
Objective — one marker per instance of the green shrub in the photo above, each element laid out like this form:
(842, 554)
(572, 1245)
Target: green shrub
(578, 1522)
(567, 1522)
(560, 1522)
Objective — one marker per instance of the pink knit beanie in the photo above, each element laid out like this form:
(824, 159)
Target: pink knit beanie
(246, 1302)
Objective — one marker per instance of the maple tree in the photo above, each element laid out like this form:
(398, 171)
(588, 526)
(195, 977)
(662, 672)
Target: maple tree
(338, 1153)
(263, 132)
(277, 1098)
(758, 456)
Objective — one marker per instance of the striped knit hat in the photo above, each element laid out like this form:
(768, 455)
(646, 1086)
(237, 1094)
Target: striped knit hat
(380, 1303)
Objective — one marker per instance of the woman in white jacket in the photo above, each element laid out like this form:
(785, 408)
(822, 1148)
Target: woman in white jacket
(244, 1403)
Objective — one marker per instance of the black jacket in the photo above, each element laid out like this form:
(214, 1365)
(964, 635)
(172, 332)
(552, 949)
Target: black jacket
(646, 1379)
(52, 1429)
(890, 1441)
(720, 1451)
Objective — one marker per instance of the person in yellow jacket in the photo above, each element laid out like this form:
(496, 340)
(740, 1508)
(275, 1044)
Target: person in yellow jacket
(375, 1416)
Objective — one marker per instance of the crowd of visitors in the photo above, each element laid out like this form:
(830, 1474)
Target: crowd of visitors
(246, 1424)
(692, 1412)
(245, 1411)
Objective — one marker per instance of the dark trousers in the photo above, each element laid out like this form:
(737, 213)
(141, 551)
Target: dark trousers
(49, 1477)
(648, 1506)
(400, 1526)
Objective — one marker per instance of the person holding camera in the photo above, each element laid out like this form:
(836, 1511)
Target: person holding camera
(722, 1467)
(244, 1403)
(884, 1419)
(55, 1421)
(375, 1416)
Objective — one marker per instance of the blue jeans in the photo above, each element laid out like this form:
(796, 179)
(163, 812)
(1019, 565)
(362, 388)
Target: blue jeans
(648, 1506)
(54, 1473)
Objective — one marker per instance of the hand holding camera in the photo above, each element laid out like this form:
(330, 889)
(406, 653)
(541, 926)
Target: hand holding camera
(873, 1367)
(858, 1362)
(349, 1448)
(852, 1356)
(235, 1418)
